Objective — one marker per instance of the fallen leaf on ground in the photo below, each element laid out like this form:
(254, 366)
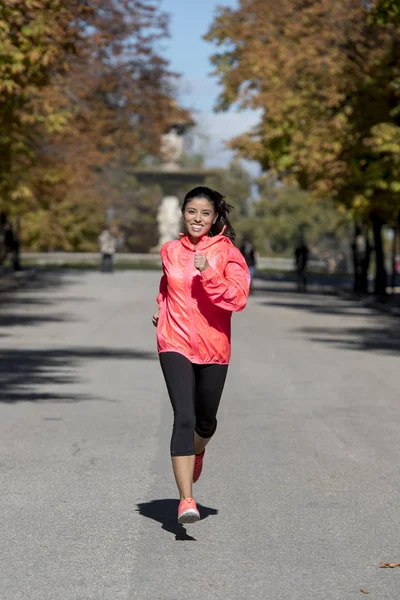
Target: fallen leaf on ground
(363, 591)
(389, 565)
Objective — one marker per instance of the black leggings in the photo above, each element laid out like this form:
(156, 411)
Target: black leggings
(195, 392)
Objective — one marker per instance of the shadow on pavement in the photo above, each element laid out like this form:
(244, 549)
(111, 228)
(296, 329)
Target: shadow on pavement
(317, 284)
(385, 338)
(40, 279)
(17, 306)
(325, 305)
(378, 333)
(165, 512)
(23, 371)
(18, 320)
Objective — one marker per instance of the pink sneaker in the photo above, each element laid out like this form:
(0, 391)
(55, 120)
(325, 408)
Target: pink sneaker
(187, 511)
(198, 466)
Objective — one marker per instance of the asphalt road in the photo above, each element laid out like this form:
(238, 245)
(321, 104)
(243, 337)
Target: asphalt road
(300, 491)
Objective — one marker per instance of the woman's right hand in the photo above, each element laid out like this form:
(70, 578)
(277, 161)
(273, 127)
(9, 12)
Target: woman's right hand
(155, 318)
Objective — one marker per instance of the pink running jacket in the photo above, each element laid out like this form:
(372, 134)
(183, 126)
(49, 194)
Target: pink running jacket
(196, 308)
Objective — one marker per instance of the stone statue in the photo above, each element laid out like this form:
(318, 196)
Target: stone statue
(168, 219)
(171, 148)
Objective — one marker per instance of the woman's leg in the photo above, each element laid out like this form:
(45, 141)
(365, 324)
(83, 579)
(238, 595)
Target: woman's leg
(210, 381)
(183, 472)
(179, 377)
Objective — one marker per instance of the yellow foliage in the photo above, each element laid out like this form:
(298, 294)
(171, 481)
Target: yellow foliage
(325, 78)
(67, 111)
(21, 192)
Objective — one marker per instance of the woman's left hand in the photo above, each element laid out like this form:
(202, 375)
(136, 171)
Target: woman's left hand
(200, 262)
(155, 318)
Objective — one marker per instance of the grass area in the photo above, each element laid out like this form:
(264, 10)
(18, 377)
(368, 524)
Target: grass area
(138, 265)
(87, 266)
(149, 266)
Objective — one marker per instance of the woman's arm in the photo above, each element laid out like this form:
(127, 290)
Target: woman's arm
(229, 290)
(162, 293)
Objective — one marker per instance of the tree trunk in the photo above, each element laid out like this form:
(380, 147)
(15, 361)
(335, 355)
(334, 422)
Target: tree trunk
(396, 231)
(361, 251)
(394, 248)
(380, 271)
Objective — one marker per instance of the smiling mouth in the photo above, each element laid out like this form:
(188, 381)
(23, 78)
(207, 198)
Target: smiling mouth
(197, 227)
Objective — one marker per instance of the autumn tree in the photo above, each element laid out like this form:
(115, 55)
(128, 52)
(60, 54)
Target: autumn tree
(33, 42)
(283, 214)
(273, 215)
(100, 94)
(325, 76)
(385, 11)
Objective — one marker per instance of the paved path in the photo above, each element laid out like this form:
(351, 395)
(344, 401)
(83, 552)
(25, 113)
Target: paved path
(301, 487)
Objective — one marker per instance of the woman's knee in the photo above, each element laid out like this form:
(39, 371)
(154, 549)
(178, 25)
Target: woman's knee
(206, 429)
(182, 440)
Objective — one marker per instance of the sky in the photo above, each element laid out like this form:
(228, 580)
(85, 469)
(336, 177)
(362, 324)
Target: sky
(189, 55)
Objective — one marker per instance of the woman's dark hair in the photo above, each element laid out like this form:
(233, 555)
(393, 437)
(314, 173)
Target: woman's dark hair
(221, 207)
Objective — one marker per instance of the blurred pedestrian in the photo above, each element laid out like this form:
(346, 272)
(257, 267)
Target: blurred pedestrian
(108, 245)
(341, 263)
(205, 279)
(9, 242)
(301, 258)
(249, 254)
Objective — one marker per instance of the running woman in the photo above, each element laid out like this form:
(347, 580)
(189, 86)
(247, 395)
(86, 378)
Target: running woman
(205, 279)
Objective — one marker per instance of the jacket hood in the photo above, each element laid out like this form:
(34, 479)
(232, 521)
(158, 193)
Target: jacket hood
(205, 241)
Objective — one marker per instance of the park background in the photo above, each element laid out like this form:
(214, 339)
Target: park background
(295, 106)
(300, 491)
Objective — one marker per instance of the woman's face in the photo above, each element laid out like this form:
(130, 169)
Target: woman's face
(199, 215)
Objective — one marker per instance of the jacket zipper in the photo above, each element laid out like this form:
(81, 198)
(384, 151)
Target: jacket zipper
(193, 334)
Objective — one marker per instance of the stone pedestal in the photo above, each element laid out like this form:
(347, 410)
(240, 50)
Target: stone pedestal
(174, 181)
(168, 220)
